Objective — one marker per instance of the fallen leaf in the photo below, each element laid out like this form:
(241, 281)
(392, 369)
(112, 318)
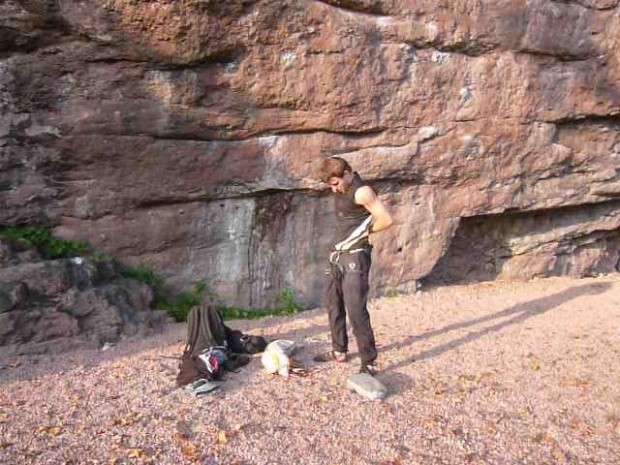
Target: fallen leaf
(190, 451)
(51, 430)
(136, 453)
(128, 420)
(578, 382)
(560, 455)
(534, 363)
(544, 438)
(525, 412)
(222, 438)
(398, 460)
(181, 437)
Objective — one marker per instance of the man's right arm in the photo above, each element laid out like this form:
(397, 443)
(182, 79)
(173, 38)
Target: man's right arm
(381, 217)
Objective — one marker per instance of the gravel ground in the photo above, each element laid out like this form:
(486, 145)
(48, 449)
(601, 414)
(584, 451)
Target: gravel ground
(493, 373)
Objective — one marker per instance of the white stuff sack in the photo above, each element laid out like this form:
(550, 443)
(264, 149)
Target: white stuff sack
(277, 356)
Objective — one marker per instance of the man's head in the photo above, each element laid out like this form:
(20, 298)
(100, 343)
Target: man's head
(336, 172)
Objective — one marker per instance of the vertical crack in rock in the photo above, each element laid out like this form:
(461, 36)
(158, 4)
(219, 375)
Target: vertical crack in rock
(271, 215)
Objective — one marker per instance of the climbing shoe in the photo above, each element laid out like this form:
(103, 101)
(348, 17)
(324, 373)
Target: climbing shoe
(331, 356)
(370, 368)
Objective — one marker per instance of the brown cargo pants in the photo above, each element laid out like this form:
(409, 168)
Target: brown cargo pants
(347, 293)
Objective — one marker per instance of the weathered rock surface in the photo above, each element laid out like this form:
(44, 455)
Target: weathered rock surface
(182, 135)
(56, 305)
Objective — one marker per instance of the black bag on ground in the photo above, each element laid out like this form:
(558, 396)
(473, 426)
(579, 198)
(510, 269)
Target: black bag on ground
(244, 343)
(206, 330)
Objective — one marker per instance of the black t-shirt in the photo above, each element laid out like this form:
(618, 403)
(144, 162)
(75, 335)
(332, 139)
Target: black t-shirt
(353, 219)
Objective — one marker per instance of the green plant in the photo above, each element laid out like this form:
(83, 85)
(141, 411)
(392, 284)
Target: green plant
(233, 313)
(177, 306)
(392, 292)
(286, 304)
(49, 246)
(147, 276)
(144, 275)
(98, 256)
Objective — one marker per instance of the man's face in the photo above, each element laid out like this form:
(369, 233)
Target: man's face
(339, 185)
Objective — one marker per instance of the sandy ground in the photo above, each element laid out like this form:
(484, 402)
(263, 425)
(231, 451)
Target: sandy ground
(492, 373)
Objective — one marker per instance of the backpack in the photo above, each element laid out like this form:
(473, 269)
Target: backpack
(205, 328)
(213, 347)
(244, 343)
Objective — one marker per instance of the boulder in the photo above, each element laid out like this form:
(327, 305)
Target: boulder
(367, 386)
(56, 305)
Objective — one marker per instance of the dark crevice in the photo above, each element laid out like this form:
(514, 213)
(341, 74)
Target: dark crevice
(560, 57)
(560, 210)
(263, 193)
(180, 137)
(325, 52)
(353, 135)
(365, 7)
(115, 60)
(612, 119)
(268, 192)
(219, 57)
(362, 132)
(214, 196)
(467, 48)
(484, 246)
(585, 4)
(156, 203)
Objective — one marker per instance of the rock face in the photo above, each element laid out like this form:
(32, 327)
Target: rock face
(182, 135)
(56, 305)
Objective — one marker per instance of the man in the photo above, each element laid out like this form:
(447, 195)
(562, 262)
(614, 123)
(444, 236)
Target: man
(360, 214)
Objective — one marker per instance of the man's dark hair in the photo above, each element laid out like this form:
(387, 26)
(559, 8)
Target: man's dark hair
(333, 167)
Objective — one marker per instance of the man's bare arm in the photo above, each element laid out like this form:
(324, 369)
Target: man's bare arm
(381, 217)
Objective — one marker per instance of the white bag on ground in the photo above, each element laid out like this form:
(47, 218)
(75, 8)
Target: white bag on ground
(277, 356)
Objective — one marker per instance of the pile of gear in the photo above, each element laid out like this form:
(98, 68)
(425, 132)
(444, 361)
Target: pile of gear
(213, 348)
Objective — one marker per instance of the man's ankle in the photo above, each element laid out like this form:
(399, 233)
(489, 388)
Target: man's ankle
(371, 368)
(331, 356)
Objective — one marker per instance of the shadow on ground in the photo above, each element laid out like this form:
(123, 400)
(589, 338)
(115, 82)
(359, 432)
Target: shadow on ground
(518, 313)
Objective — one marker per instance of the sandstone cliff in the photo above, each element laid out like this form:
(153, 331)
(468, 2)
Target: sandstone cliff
(182, 134)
